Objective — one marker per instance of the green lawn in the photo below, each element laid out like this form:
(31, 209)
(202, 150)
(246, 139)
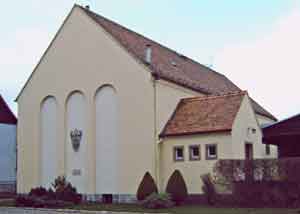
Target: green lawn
(188, 210)
(177, 210)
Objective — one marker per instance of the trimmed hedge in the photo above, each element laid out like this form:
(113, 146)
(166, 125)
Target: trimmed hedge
(146, 187)
(261, 182)
(176, 187)
(267, 194)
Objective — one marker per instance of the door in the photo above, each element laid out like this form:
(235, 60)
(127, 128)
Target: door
(249, 151)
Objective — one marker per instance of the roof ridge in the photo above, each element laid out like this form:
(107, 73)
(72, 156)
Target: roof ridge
(208, 97)
(185, 77)
(151, 40)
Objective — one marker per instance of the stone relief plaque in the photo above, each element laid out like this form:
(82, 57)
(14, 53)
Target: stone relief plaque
(76, 136)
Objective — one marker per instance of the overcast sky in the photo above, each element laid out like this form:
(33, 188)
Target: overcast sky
(254, 43)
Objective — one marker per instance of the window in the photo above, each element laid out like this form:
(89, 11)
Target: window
(179, 153)
(211, 152)
(251, 131)
(195, 152)
(268, 149)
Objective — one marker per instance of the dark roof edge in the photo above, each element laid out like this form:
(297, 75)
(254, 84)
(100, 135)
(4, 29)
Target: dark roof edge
(193, 133)
(281, 121)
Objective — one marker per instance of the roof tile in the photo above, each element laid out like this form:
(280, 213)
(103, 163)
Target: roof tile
(187, 72)
(204, 114)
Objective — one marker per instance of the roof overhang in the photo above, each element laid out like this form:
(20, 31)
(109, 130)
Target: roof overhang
(194, 133)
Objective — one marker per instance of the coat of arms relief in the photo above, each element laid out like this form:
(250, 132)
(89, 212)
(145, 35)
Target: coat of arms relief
(76, 136)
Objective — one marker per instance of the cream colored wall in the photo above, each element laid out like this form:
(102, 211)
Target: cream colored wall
(192, 170)
(263, 120)
(84, 57)
(49, 144)
(168, 96)
(246, 118)
(76, 118)
(230, 146)
(107, 143)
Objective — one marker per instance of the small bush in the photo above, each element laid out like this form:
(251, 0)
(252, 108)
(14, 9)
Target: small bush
(209, 189)
(146, 187)
(157, 201)
(64, 194)
(176, 187)
(65, 191)
(38, 192)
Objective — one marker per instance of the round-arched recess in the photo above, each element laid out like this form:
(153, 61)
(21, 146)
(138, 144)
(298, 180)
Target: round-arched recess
(49, 144)
(107, 148)
(76, 157)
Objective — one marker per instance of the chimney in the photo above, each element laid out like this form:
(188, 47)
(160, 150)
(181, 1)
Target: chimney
(148, 54)
(87, 7)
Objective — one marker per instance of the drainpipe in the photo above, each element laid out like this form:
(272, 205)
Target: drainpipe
(156, 139)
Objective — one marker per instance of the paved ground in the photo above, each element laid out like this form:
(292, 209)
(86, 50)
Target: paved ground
(45, 211)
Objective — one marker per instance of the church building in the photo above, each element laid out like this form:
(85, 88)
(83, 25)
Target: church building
(105, 105)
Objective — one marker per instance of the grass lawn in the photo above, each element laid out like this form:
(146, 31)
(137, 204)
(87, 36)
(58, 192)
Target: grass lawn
(187, 209)
(177, 210)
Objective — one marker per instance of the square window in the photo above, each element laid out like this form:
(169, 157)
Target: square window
(251, 131)
(211, 152)
(179, 153)
(268, 149)
(195, 152)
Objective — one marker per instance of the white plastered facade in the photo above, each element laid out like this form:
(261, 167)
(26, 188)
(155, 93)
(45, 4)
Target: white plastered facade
(99, 88)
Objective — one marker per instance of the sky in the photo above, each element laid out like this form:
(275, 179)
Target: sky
(254, 43)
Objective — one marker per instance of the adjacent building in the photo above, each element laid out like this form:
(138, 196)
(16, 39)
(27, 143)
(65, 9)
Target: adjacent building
(100, 108)
(284, 134)
(8, 128)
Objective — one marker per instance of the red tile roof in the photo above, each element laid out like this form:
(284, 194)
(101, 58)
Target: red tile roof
(204, 114)
(170, 65)
(6, 115)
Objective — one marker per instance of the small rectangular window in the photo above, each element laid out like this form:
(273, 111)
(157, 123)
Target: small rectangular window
(195, 152)
(179, 153)
(211, 152)
(268, 149)
(251, 131)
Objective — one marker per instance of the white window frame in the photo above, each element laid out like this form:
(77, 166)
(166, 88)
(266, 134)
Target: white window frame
(207, 151)
(175, 154)
(191, 151)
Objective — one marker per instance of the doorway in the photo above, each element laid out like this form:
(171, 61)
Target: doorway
(249, 151)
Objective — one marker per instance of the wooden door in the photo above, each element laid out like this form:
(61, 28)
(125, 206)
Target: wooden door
(248, 151)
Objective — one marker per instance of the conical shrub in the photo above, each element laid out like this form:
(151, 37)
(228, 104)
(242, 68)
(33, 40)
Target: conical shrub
(176, 187)
(146, 187)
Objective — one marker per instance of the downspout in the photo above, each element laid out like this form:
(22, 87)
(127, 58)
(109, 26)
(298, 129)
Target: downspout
(156, 139)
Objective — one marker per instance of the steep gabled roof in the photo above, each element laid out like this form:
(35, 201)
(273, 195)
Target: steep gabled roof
(170, 65)
(204, 114)
(187, 72)
(6, 115)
